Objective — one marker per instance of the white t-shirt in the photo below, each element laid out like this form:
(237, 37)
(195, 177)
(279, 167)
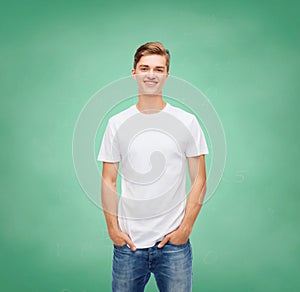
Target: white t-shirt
(152, 150)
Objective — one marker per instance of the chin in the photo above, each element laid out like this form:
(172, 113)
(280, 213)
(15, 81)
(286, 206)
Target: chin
(150, 91)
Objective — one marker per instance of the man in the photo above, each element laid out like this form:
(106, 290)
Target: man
(151, 223)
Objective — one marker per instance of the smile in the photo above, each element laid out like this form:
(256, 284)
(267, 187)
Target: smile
(150, 83)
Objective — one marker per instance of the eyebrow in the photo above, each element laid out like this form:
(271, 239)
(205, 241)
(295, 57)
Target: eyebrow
(160, 67)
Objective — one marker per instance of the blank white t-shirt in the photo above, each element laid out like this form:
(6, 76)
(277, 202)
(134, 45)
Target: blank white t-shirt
(152, 149)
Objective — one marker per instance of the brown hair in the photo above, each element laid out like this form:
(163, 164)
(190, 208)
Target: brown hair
(152, 48)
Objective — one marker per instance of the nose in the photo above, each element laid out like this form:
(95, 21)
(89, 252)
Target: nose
(151, 74)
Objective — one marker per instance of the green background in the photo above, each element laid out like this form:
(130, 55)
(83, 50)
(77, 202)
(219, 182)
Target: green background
(243, 55)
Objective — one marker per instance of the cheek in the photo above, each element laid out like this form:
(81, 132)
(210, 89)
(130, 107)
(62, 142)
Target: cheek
(139, 79)
(162, 78)
(140, 76)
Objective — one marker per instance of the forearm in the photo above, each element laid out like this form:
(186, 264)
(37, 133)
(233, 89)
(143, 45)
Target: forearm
(109, 199)
(110, 208)
(193, 206)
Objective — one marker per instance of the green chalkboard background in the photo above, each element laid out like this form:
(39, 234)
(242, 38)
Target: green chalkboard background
(243, 55)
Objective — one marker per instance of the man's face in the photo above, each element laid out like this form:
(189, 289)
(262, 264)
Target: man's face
(150, 74)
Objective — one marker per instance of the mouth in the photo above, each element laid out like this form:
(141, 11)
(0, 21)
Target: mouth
(150, 83)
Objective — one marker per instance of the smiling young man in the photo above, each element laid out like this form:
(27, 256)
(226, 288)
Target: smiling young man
(153, 142)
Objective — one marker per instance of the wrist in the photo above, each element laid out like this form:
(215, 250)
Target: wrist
(186, 229)
(112, 231)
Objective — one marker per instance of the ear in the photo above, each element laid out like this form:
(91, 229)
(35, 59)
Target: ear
(133, 73)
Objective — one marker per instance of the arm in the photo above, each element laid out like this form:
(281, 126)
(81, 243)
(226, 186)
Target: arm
(109, 199)
(195, 200)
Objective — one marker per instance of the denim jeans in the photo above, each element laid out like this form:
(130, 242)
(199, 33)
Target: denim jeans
(171, 266)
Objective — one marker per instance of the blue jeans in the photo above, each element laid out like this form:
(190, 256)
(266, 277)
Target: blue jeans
(171, 266)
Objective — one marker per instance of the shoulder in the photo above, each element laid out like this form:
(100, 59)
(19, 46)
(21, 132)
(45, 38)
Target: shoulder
(181, 114)
(119, 118)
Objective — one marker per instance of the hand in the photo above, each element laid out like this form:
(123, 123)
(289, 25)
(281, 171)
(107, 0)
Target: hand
(120, 238)
(179, 236)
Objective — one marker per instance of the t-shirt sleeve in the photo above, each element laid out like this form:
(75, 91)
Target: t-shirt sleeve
(109, 149)
(196, 143)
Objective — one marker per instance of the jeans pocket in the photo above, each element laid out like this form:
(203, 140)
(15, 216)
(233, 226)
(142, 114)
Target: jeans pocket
(121, 250)
(178, 245)
(120, 246)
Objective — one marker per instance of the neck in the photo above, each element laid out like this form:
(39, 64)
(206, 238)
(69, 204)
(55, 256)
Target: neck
(150, 103)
